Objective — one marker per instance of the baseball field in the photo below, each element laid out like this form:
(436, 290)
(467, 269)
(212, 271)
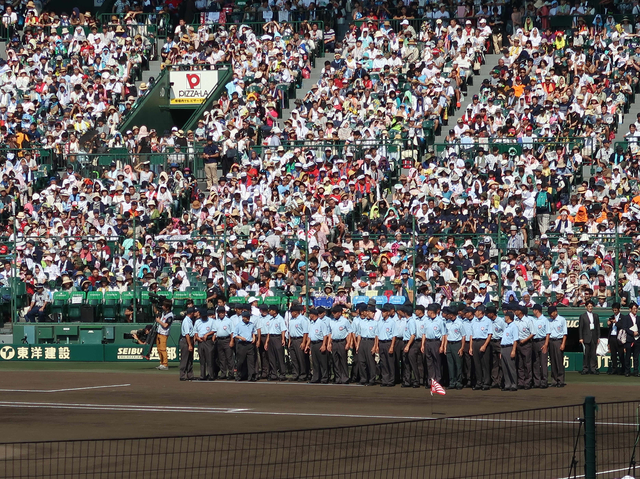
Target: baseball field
(89, 401)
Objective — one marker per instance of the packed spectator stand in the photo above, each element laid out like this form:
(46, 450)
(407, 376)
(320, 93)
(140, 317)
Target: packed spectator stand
(346, 199)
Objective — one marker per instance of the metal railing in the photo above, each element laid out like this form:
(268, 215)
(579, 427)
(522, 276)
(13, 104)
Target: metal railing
(147, 24)
(568, 441)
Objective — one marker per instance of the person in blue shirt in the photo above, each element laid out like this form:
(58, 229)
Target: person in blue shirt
(298, 338)
(455, 346)
(434, 343)
(365, 347)
(508, 348)
(525, 335)
(480, 340)
(467, 322)
(385, 339)
(237, 317)
(557, 343)
(204, 337)
(324, 316)
(398, 345)
(262, 322)
(420, 317)
(317, 346)
(412, 343)
(495, 348)
(339, 343)
(276, 339)
(409, 366)
(360, 316)
(186, 345)
(244, 339)
(540, 347)
(224, 333)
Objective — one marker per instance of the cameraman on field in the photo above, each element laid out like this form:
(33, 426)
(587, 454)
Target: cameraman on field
(164, 321)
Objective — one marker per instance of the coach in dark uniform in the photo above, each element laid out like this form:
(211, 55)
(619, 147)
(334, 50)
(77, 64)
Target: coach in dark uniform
(629, 324)
(589, 333)
(616, 364)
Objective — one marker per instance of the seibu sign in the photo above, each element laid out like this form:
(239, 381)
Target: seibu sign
(192, 87)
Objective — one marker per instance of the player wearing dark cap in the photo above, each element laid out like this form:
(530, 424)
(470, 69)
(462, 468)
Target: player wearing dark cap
(244, 338)
(317, 346)
(365, 348)
(434, 343)
(339, 343)
(276, 340)
(186, 345)
(557, 343)
(204, 337)
(224, 332)
(467, 362)
(298, 339)
(525, 335)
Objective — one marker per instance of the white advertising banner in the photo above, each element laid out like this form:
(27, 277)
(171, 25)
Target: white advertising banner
(192, 87)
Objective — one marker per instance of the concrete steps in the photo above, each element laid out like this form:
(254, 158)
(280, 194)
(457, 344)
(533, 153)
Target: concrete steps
(154, 66)
(490, 62)
(306, 86)
(627, 119)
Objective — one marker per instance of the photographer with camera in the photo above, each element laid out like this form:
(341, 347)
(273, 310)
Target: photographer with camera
(140, 336)
(163, 328)
(186, 344)
(205, 336)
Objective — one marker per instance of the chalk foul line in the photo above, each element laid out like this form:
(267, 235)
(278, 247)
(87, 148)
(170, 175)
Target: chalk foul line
(62, 390)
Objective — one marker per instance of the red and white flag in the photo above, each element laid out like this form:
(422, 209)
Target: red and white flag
(436, 388)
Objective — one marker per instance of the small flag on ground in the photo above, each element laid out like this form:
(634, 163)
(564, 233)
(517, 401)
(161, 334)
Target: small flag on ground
(436, 388)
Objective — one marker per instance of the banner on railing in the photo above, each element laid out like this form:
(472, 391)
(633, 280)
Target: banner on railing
(133, 353)
(191, 87)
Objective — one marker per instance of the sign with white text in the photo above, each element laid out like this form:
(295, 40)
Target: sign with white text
(191, 87)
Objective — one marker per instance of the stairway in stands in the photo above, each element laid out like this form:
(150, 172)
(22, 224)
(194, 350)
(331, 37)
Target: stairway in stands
(490, 62)
(307, 83)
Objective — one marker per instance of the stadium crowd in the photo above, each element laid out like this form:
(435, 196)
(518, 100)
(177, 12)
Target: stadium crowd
(314, 205)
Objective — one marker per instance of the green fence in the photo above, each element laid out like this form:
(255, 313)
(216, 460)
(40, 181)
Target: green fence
(94, 165)
(312, 288)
